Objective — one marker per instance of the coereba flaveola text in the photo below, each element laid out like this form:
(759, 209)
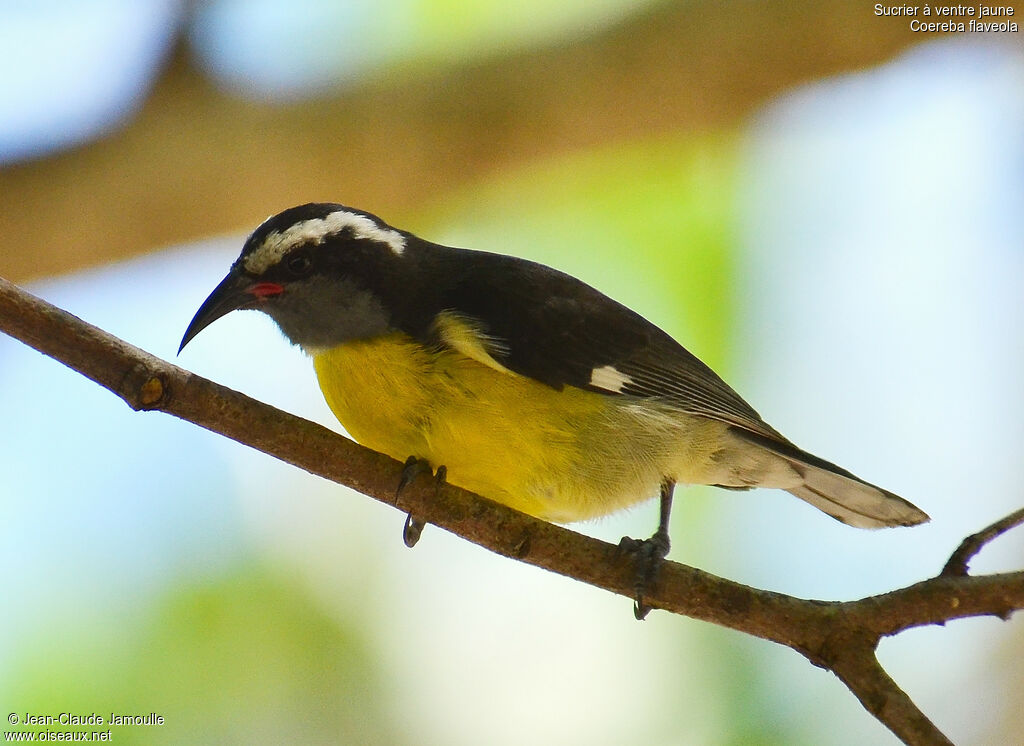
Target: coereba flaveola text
(531, 387)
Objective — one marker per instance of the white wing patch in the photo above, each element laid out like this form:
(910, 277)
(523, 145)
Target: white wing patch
(608, 378)
(315, 231)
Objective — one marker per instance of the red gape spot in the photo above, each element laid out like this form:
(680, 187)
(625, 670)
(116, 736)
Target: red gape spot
(266, 289)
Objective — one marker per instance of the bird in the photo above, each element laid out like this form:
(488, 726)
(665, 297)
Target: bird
(515, 380)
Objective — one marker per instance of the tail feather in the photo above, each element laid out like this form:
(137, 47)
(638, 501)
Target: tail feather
(853, 501)
(840, 494)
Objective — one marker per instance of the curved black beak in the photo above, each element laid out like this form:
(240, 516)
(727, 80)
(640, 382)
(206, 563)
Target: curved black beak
(233, 293)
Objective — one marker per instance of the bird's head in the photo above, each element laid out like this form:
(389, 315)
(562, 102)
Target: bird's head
(319, 270)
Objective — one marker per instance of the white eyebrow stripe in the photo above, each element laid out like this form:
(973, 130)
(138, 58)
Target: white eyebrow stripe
(316, 230)
(608, 378)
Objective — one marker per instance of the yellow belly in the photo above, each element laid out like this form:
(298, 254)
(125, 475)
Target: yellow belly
(560, 455)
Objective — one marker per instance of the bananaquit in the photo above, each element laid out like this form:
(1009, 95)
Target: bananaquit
(529, 386)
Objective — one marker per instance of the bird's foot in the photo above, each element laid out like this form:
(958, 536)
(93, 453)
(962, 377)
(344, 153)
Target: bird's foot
(647, 554)
(413, 468)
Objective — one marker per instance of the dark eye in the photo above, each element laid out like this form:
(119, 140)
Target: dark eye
(298, 264)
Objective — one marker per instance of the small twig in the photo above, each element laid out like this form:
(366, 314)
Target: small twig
(961, 557)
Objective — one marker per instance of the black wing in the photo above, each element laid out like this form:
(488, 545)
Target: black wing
(563, 330)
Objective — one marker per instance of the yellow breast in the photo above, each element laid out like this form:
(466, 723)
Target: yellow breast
(562, 455)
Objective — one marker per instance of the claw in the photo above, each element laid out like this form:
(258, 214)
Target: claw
(413, 468)
(412, 530)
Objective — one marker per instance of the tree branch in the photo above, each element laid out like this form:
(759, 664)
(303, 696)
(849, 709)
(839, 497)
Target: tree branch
(969, 547)
(838, 636)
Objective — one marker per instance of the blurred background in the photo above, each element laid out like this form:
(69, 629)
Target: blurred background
(822, 203)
